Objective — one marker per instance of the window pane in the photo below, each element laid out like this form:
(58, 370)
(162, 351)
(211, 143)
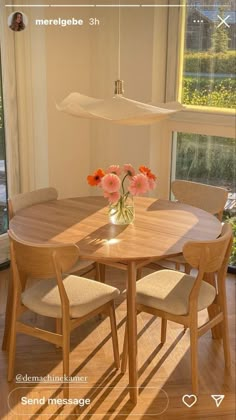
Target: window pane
(209, 54)
(205, 159)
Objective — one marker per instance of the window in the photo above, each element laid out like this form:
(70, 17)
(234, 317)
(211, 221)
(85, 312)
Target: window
(203, 146)
(205, 159)
(209, 55)
(203, 134)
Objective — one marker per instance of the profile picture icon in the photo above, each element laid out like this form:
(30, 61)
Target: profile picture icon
(17, 21)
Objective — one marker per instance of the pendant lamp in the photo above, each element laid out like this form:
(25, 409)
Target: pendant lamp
(117, 109)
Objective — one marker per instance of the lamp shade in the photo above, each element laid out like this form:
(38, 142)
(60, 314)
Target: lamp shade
(118, 109)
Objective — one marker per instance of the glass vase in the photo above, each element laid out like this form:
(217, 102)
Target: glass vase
(122, 213)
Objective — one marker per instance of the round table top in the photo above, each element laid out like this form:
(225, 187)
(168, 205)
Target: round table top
(160, 228)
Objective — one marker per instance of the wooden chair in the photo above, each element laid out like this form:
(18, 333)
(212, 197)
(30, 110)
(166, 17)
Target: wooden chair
(28, 199)
(206, 197)
(72, 299)
(177, 296)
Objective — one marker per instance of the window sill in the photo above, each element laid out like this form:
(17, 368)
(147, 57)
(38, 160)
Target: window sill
(207, 117)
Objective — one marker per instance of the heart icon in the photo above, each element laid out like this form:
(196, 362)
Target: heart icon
(189, 400)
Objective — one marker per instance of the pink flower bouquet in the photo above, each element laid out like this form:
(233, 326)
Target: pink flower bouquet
(119, 185)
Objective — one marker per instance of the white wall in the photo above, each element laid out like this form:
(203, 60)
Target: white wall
(112, 143)
(61, 150)
(68, 62)
(85, 60)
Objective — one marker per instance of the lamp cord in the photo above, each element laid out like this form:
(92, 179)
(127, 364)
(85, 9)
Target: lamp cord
(119, 42)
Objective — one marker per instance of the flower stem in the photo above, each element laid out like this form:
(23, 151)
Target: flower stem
(122, 185)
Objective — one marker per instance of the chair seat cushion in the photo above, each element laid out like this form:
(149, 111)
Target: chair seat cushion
(169, 291)
(84, 296)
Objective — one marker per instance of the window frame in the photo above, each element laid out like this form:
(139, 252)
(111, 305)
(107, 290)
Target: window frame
(192, 119)
(10, 103)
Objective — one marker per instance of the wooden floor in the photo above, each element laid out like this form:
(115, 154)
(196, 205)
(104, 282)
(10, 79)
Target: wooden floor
(164, 372)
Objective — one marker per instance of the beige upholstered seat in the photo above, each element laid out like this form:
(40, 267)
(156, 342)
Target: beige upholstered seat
(70, 299)
(84, 296)
(178, 297)
(169, 291)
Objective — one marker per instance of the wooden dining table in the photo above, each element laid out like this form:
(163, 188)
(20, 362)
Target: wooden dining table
(160, 230)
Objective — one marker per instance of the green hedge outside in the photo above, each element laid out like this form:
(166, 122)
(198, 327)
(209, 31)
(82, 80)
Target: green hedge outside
(232, 260)
(207, 92)
(210, 62)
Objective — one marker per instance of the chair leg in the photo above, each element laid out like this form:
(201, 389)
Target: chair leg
(125, 351)
(101, 276)
(7, 328)
(213, 309)
(225, 337)
(58, 328)
(194, 358)
(177, 266)
(187, 268)
(12, 344)
(225, 329)
(101, 272)
(114, 336)
(66, 351)
(163, 330)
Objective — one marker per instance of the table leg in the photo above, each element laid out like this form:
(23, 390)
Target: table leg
(213, 309)
(132, 331)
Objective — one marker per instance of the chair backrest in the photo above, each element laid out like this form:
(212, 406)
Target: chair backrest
(210, 256)
(21, 201)
(205, 197)
(38, 261)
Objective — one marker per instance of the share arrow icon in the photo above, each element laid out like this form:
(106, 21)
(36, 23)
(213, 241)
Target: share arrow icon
(218, 399)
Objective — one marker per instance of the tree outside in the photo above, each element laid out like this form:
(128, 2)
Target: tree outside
(209, 64)
(220, 39)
